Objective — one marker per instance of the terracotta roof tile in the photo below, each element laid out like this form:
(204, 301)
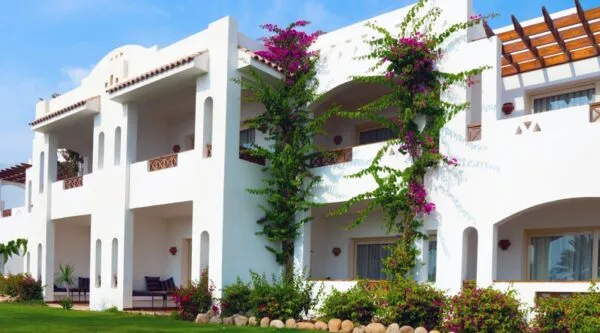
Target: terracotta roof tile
(61, 111)
(261, 59)
(152, 73)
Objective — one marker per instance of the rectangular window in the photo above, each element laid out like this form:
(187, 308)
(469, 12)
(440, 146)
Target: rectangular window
(432, 259)
(369, 257)
(375, 135)
(247, 138)
(564, 100)
(562, 257)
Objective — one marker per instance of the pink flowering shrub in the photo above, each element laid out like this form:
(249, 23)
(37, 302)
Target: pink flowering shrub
(289, 49)
(194, 299)
(477, 310)
(410, 303)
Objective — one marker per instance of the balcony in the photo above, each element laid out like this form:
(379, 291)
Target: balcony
(333, 169)
(72, 197)
(162, 180)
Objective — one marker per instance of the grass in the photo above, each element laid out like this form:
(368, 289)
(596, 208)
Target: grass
(42, 319)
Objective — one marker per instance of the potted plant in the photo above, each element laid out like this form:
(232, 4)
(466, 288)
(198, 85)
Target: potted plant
(65, 276)
(508, 108)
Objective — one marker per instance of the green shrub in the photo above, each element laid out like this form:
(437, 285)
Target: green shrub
(477, 310)
(22, 286)
(410, 303)
(356, 304)
(194, 299)
(66, 303)
(236, 298)
(578, 313)
(281, 299)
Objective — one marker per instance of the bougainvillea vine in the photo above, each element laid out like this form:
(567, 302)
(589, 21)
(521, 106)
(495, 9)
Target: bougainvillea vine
(289, 128)
(407, 67)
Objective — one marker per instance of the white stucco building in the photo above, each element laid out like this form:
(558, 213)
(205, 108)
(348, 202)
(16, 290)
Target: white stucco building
(162, 187)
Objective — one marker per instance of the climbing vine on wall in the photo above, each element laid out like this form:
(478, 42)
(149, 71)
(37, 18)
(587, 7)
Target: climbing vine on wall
(289, 128)
(407, 66)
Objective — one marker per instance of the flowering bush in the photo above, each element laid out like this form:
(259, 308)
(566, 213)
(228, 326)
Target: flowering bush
(477, 310)
(577, 313)
(410, 303)
(356, 304)
(236, 298)
(21, 286)
(282, 298)
(197, 298)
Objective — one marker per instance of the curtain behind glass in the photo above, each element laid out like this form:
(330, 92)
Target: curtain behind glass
(247, 138)
(432, 261)
(368, 261)
(558, 258)
(562, 101)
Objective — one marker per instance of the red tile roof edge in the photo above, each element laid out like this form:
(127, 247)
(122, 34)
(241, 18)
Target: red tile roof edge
(61, 111)
(152, 73)
(14, 174)
(255, 56)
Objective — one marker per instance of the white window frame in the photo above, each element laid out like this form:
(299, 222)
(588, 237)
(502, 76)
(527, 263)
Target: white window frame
(365, 241)
(595, 231)
(562, 90)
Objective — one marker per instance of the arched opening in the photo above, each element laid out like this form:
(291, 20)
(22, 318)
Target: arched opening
(39, 262)
(101, 151)
(118, 146)
(98, 278)
(114, 263)
(469, 262)
(42, 172)
(207, 130)
(204, 251)
(28, 263)
(29, 195)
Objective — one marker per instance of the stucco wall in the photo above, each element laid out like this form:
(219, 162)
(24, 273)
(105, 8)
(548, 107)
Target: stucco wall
(330, 232)
(72, 245)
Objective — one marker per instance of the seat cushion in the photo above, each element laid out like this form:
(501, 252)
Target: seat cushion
(168, 284)
(153, 283)
(84, 283)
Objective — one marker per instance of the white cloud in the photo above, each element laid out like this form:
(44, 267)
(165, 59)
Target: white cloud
(75, 74)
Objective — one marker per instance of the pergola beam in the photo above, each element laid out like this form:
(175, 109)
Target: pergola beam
(525, 39)
(555, 33)
(586, 26)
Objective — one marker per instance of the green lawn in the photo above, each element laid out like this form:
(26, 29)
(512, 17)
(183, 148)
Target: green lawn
(41, 319)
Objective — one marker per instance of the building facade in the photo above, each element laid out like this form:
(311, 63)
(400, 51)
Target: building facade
(162, 185)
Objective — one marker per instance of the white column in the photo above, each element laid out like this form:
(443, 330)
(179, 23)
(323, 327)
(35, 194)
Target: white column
(1, 201)
(302, 247)
(487, 246)
(449, 258)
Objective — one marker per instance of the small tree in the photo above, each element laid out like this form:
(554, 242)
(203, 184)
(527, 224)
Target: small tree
(66, 277)
(11, 248)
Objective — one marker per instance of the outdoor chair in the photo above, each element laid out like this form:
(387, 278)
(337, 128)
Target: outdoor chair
(155, 288)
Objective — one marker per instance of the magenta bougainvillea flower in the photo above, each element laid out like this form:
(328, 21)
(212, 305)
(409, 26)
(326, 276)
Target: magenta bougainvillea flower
(289, 48)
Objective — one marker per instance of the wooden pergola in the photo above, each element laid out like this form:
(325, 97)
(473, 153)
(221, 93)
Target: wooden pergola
(14, 174)
(549, 43)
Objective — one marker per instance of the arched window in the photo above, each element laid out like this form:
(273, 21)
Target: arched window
(29, 195)
(469, 265)
(207, 140)
(114, 263)
(101, 151)
(42, 171)
(204, 251)
(98, 263)
(40, 258)
(118, 146)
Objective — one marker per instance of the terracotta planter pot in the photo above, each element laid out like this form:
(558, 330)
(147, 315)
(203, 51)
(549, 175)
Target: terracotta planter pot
(508, 108)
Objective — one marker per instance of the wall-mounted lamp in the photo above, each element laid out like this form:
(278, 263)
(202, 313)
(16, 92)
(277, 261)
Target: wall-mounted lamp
(504, 244)
(336, 251)
(173, 250)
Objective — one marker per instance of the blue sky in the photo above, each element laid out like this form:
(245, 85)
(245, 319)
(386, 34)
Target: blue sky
(49, 45)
